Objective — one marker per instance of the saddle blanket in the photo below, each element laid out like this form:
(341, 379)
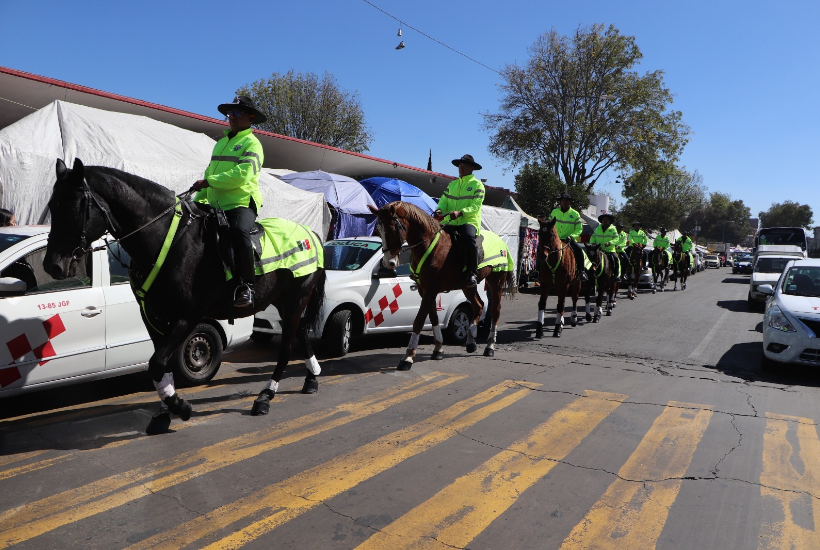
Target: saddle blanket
(283, 244)
(493, 252)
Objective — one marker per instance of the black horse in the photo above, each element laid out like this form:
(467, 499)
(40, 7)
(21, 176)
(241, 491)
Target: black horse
(680, 265)
(88, 201)
(605, 276)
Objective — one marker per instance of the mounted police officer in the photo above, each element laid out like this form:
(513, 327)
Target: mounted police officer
(231, 182)
(462, 202)
(686, 246)
(607, 236)
(661, 241)
(569, 226)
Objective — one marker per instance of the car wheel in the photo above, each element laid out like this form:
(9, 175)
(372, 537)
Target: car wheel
(198, 359)
(459, 325)
(261, 337)
(338, 331)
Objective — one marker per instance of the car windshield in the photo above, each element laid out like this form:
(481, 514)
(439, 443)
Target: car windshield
(711, 257)
(7, 240)
(771, 265)
(349, 255)
(802, 281)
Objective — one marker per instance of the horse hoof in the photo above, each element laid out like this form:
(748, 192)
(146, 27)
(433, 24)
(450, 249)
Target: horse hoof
(574, 322)
(609, 313)
(261, 405)
(178, 406)
(653, 291)
(595, 319)
(589, 317)
(437, 355)
(489, 352)
(471, 347)
(160, 422)
(311, 386)
(539, 333)
(556, 334)
(404, 365)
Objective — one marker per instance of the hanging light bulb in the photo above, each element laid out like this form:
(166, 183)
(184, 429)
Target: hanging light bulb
(401, 45)
(399, 32)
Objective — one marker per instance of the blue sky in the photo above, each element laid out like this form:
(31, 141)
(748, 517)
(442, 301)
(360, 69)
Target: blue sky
(745, 74)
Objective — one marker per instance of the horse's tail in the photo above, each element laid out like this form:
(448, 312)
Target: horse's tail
(510, 288)
(313, 312)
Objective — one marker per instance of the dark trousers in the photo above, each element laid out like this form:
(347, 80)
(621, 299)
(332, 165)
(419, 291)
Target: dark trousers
(579, 255)
(241, 220)
(467, 233)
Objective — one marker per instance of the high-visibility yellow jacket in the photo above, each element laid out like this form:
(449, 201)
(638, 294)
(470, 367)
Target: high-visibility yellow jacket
(622, 241)
(467, 195)
(233, 174)
(568, 224)
(606, 238)
(637, 237)
(686, 243)
(661, 242)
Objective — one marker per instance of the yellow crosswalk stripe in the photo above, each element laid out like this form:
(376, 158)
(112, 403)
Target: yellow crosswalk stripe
(791, 483)
(30, 520)
(461, 511)
(195, 421)
(632, 514)
(272, 506)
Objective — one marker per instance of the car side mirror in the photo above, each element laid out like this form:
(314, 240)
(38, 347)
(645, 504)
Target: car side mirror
(12, 286)
(765, 289)
(384, 273)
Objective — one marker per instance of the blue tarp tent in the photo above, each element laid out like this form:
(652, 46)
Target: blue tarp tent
(351, 217)
(387, 190)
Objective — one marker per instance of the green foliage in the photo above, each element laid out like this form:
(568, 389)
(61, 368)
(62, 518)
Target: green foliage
(721, 219)
(577, 107)
(660, 195)
(303, 106)
(537, 186)
(787, 214)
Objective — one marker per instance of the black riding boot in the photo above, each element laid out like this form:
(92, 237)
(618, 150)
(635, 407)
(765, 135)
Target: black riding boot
(243, 296)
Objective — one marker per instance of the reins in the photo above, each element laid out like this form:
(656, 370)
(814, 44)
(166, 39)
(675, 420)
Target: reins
(560, 252)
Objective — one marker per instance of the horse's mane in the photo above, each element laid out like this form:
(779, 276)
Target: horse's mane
(145, 185)
(416, 214)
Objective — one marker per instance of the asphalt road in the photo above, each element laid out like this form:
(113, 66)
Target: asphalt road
(654, 428)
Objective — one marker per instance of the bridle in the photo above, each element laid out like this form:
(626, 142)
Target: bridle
(402, 238)
(88, 197)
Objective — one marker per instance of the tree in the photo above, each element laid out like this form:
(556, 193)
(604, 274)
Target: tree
(721, 219)
(537, 186)
(787, 214)
(660, 195)
(577, 107)
(303, 106)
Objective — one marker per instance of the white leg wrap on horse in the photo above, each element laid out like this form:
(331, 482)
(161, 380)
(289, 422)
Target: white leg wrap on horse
(165, 387)
(574, 315)
(437, 334)
(491, 340)
(313, 365)
(414, 341)
(541, 316)
(559, 319)
(599, 311)
(473, 332)
(273, 385)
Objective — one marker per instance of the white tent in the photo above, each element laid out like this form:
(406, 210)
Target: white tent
(526, 220)
(160, 152)
(505, 224)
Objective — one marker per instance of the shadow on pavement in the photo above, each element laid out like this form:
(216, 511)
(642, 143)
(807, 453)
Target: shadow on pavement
(738, 279)
(744, 361)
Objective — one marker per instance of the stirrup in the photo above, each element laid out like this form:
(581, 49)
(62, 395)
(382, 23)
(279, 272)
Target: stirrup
(243, 295)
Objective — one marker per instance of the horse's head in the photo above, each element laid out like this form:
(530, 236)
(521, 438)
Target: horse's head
(76, 220)
(547, 232)
(392, 227)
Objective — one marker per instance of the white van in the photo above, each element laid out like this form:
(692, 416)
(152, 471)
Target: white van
(88, 326)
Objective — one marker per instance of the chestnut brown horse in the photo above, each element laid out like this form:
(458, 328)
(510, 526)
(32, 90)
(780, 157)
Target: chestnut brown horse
(556, 269)
(659, 261)
(605, 275)
(680, 265)
(635, 268)
(437, 268)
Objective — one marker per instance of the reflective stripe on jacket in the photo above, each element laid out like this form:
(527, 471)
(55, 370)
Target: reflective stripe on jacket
(620, 244)
(606, 238)
(686, 243)
(637, 237)
(467, 195)
(233, 173)
(568, 224)
(661, 242)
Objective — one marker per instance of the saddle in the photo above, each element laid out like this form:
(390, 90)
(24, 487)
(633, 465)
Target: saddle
(461, 244)
(221, 235)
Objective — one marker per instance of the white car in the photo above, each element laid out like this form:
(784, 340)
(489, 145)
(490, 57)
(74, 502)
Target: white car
(87, 326)
(711, 260)
(767, 271)
(791, 324)
(362, 297)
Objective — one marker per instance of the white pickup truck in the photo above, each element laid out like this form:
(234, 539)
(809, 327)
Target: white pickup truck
(769, 263)
(362, 297)
(87, 326)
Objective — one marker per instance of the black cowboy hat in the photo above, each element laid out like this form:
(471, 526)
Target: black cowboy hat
(606, 215)
(637, 223)
(619, 223)
(243, 103)
(467, 159)
(564, 195)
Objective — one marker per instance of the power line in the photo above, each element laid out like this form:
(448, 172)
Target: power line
(431, 38)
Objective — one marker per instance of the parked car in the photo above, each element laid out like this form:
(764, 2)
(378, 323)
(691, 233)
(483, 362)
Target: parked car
(743, 264)
(363, 297)
(767, 270)
(791, 323)
(711, 260)
(87, 326)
